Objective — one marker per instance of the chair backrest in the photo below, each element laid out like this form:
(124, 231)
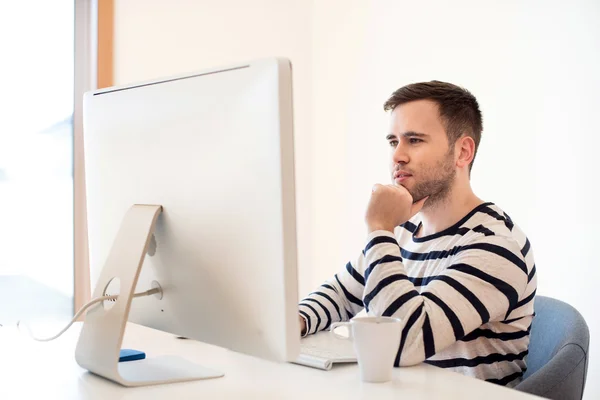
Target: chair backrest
(558, 351)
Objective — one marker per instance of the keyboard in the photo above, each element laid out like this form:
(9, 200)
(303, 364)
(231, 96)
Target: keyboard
(330, 354)
(322, 350)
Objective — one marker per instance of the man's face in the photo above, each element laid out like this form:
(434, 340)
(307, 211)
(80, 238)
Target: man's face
(421, 159)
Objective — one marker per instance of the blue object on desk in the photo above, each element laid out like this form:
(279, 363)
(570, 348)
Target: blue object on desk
(131, 355)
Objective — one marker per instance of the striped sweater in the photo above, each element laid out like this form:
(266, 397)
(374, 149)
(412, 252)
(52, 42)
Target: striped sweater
(464, 295)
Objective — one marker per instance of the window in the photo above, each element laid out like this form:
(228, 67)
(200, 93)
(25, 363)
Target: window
(39, 73)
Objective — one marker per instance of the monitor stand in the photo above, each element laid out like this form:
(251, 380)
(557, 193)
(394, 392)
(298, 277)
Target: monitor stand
(102, 333)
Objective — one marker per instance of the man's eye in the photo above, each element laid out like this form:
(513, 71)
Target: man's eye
(414, 140)
(393, 143)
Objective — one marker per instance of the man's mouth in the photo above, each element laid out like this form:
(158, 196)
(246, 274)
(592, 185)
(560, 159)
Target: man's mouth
(401, 176)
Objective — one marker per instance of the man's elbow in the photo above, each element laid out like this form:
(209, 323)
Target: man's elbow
(410, 363)
(410, 357)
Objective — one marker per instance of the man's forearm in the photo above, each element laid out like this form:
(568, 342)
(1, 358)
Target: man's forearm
(338, 299)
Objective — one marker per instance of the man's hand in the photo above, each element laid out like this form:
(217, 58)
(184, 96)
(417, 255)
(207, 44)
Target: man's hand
(302, 325)
(389, 207)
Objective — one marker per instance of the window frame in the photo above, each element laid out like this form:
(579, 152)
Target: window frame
(93, 47)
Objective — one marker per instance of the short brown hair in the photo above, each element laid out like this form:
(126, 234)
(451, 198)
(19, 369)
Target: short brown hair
(459, 109)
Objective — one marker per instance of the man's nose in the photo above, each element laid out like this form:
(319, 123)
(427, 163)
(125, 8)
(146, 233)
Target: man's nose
(400, 155)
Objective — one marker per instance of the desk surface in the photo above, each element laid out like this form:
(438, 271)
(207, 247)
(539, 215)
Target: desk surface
(48, 370)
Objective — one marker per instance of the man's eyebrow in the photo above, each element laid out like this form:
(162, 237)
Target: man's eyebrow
(407, 134)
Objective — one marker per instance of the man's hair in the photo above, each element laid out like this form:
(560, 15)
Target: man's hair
(458, 108)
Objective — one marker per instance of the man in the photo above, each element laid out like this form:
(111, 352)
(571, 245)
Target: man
(456, 270)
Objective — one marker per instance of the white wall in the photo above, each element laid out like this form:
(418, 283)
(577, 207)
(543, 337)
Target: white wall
(533, 65)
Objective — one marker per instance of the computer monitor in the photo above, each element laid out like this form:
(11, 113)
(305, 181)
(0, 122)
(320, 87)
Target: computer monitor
(215, 150)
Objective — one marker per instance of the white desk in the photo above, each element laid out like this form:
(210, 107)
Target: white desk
(32, 370)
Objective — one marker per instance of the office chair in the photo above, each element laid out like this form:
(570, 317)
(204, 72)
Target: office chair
(558, 352)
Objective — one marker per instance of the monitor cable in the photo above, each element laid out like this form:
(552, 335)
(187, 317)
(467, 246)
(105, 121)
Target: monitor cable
(92, 302)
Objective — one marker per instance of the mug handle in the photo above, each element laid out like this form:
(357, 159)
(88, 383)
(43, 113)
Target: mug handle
(336, 325)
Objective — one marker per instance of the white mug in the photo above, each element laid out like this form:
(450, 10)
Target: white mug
(376, 341)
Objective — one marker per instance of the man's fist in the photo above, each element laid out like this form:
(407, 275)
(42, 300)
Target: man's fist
(389, 207)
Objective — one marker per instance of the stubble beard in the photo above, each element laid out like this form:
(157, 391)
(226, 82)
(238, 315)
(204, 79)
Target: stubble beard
(437, 183)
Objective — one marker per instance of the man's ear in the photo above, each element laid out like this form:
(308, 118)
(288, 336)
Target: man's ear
(465, 151)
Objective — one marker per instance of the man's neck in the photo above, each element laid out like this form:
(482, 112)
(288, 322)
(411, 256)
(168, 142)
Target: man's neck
(448, 211)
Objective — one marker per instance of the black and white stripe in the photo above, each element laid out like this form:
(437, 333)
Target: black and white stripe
(476, 361)
(460, 292)
(504, 381)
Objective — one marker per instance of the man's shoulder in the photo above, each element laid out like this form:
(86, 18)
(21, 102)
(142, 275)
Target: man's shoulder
(494, 221)
(493, 232)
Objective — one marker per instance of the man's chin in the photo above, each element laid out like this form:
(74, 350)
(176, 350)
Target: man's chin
(400, 184)
(418, 196)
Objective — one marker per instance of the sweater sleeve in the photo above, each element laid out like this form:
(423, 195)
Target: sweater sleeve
(338, 299)
(481, 284)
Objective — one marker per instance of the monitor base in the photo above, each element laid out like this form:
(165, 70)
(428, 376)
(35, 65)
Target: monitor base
(101, 336)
